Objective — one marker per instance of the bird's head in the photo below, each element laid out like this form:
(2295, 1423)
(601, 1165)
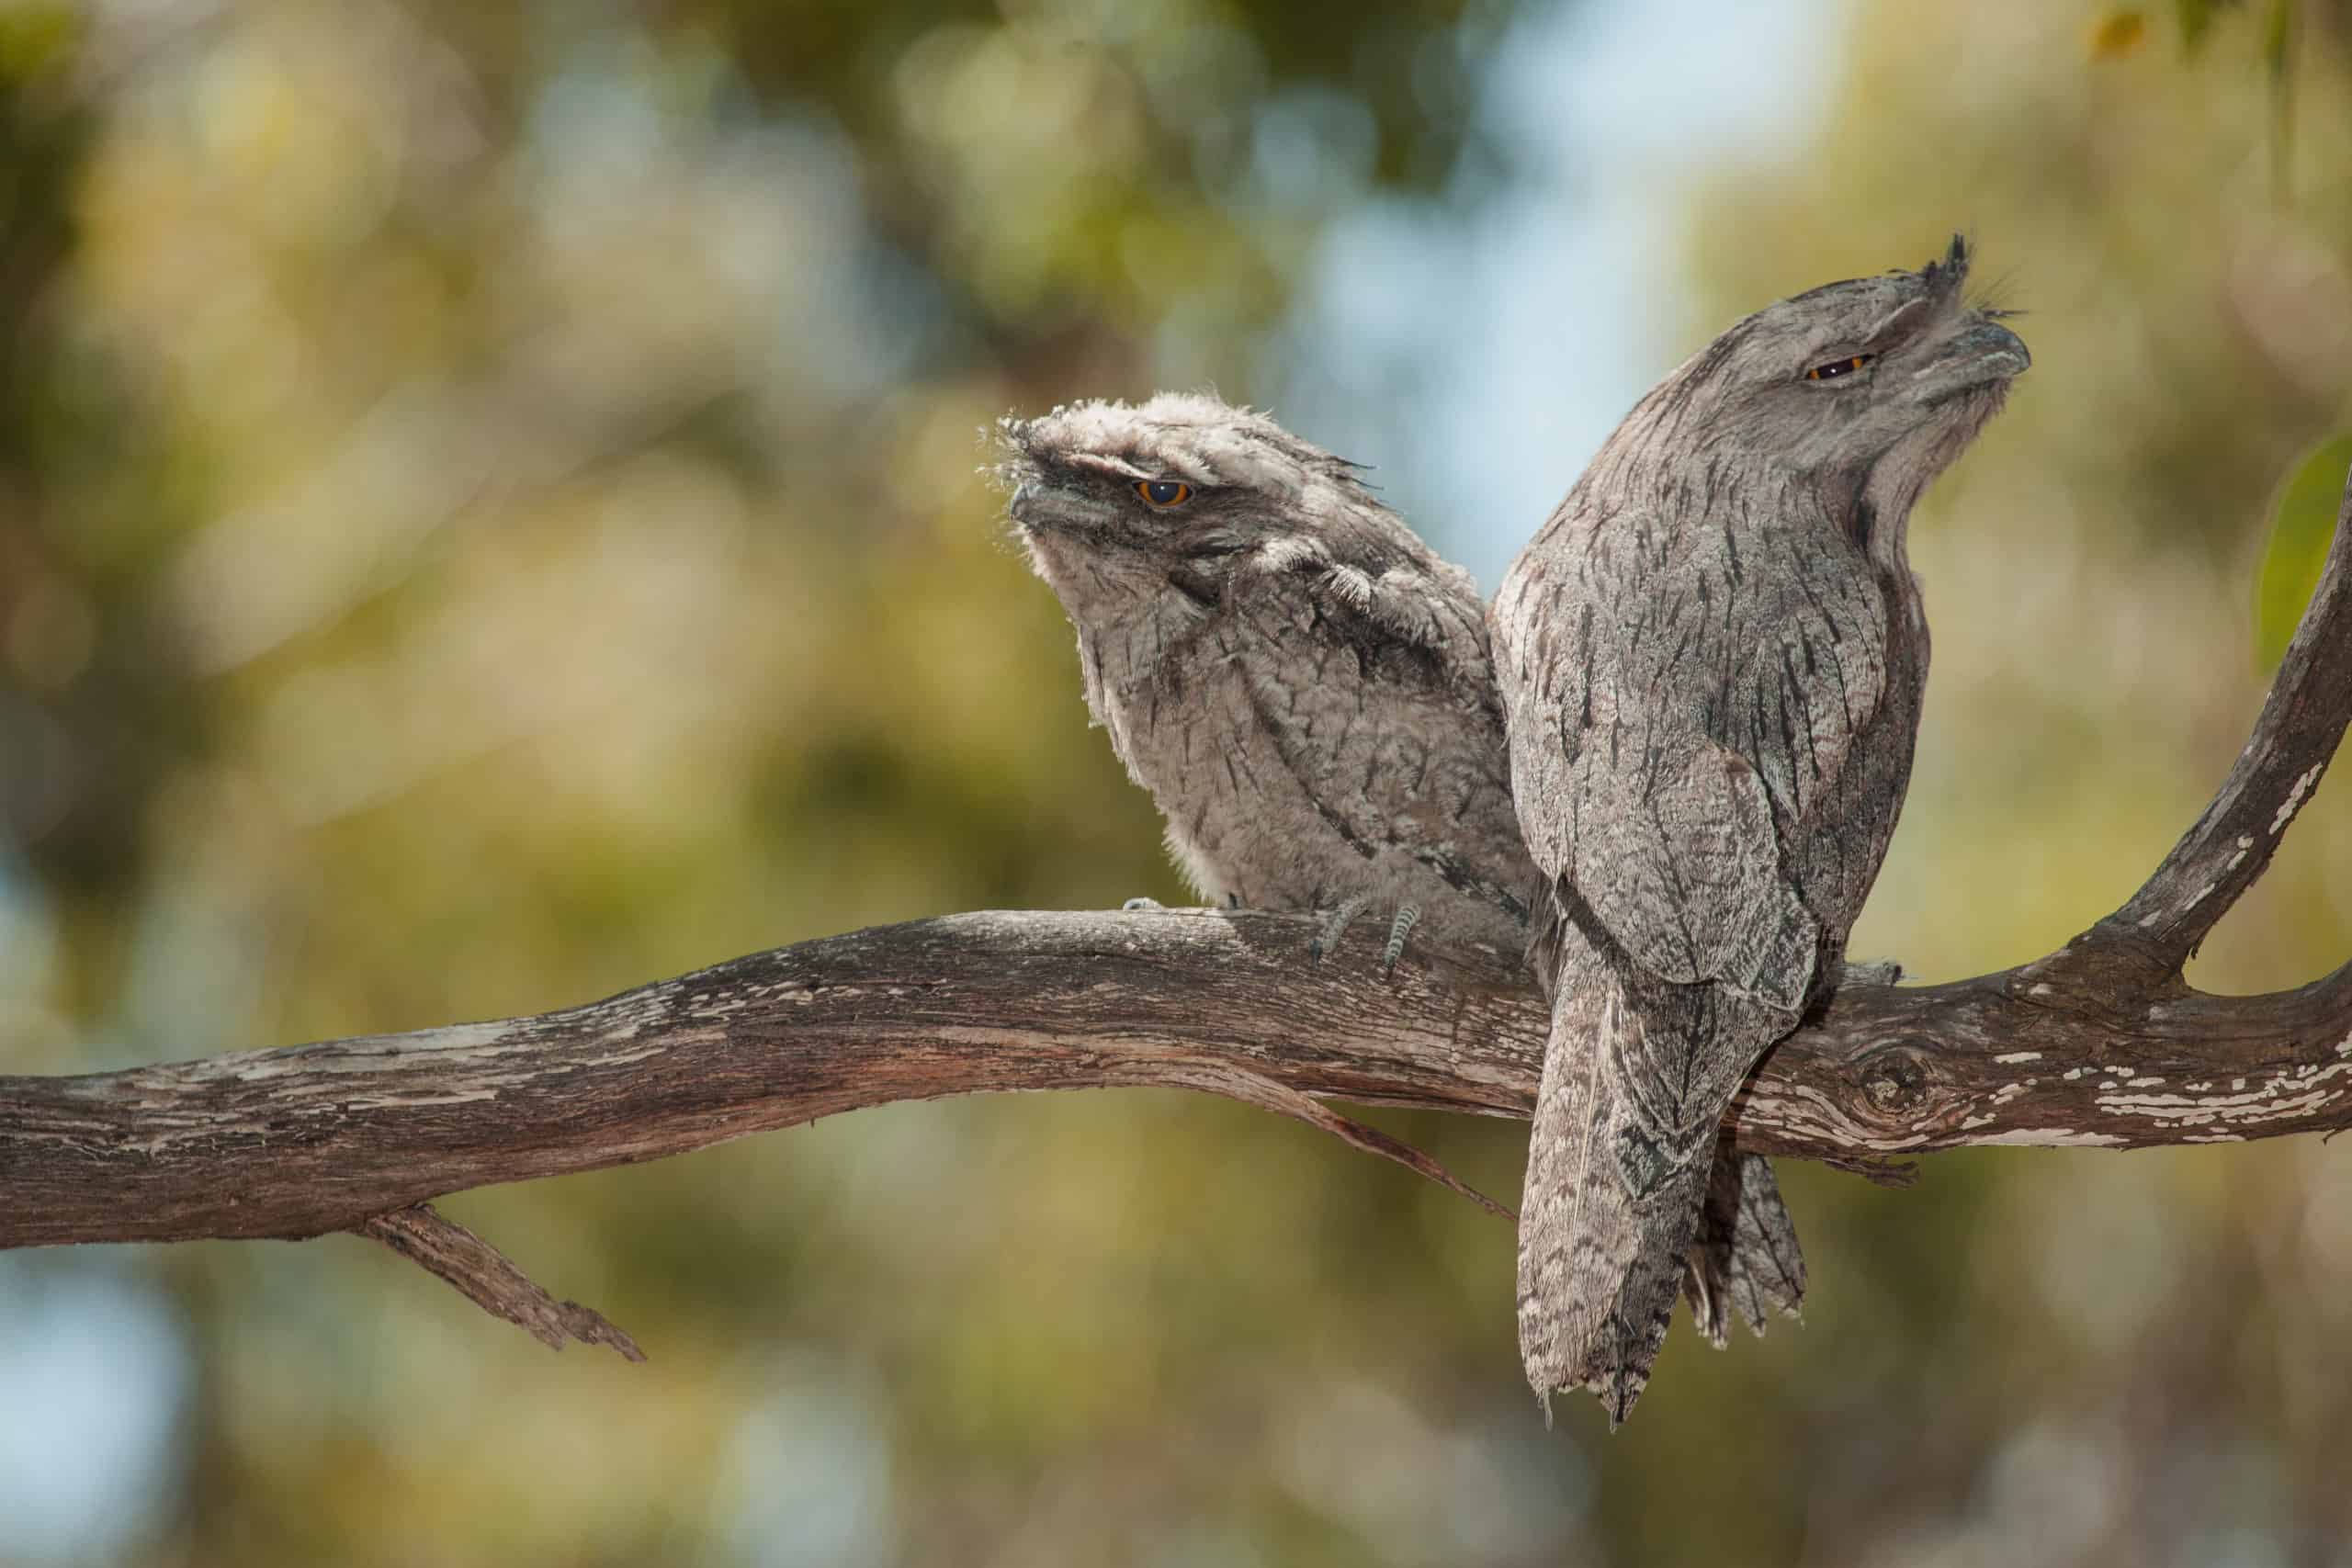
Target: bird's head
(1181, 487)
(1871, 386)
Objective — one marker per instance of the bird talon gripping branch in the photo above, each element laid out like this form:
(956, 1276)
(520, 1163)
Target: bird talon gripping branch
(1398, 931)
(1335, 926)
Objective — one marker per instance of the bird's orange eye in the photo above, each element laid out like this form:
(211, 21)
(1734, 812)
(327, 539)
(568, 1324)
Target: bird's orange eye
(1837, 367)
(1164, 493)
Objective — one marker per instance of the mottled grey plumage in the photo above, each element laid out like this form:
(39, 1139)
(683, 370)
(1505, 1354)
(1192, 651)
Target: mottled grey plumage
(1303, 686)
(1306, 690)
(1711, 658)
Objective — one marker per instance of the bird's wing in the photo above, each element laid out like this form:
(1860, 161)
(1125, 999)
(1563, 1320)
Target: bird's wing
(1397, 735)
(1682, 707)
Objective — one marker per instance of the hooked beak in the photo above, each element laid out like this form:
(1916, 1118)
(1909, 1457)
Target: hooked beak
(1979, 354)
(1018, 474)
(1036, 508)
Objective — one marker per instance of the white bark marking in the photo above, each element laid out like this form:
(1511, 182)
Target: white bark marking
(372, 1102)
(2294, 800)
(2051, 1138)
(2271, 1103)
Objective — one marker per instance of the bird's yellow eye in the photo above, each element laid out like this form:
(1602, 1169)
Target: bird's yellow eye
(1837, 367)
(1164, 493)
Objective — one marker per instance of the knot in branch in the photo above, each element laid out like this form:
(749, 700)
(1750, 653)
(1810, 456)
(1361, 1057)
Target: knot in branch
(1896, 1080)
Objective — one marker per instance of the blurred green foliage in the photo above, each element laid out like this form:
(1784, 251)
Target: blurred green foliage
(488, 517)
(2302, 523)
(2282, 24)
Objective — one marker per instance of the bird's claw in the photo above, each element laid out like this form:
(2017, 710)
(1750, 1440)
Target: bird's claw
(1334, 926)
(1407, 917)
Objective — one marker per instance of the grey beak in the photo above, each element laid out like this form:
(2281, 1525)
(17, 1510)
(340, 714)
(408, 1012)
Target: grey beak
(1980, 353)
(1991, 347)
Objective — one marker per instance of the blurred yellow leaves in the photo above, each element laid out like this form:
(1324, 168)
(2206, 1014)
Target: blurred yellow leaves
(2118, 34)
(1028, 138)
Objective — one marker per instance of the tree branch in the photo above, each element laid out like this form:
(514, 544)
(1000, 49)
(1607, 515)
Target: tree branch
(2230, 847)
(483, 1276)
(2102, 1042)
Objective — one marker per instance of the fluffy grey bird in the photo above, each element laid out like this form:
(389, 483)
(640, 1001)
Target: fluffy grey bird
(1306, 690)
(1711, 658)
(1303, 686)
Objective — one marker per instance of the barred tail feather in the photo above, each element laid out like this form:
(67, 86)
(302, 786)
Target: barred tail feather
(1745, 1255)
(1610, 1211)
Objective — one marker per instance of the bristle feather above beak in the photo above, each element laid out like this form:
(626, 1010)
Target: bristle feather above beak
(1945, 277)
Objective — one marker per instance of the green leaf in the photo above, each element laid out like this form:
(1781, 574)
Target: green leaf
(2302, 522)
(2278, 59)
(2196, 16)
(2279, 40)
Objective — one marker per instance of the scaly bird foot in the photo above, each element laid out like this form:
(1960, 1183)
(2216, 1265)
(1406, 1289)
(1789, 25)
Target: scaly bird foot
(1335, 927)
(1407, 917)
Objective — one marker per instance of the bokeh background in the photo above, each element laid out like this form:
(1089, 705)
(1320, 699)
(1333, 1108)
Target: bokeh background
(488, 516)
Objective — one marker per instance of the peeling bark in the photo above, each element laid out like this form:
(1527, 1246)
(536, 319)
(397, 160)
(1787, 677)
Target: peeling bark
(2102, 1042)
